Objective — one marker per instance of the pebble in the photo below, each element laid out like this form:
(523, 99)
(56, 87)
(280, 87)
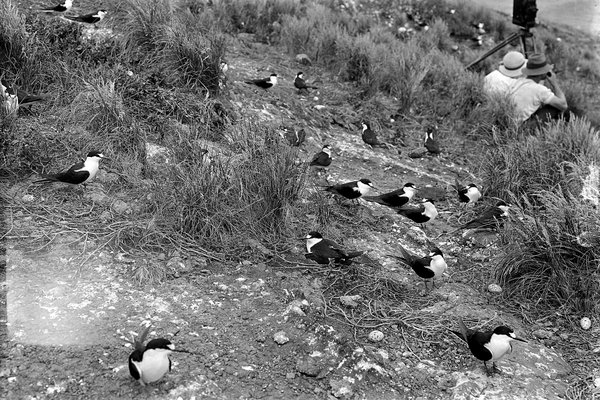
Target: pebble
(309, 366)
(376, 336)
(542, 334)
(28, 198)
(494, 288)
(350, 301)
(281, 338)
(585, 323)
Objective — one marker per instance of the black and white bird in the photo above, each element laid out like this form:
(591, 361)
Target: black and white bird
(80, 173)
(369, 137)
(149, 363)
(351, 190)
(431, 143)
(24, 98)
(467, 194)
(324, 250)
(60, 8)
(429, 267)
(425, 213)
(488, 346)
(300, 83)
(490, 218)
(322, 158)
(91, 19)
(396, 198)
(265, 83)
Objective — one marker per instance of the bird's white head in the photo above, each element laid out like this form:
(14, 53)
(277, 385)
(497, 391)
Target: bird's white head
(410, 189)
(312, 238)
(364, 185)
(101, 14)
(273, 79)
(326, 149)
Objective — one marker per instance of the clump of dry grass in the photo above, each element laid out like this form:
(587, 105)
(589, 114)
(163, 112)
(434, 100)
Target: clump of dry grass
(545, 258)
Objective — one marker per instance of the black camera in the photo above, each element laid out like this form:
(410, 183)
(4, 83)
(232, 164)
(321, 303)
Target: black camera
(524, 13)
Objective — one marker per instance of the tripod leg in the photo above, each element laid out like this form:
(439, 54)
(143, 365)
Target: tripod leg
(496, 48)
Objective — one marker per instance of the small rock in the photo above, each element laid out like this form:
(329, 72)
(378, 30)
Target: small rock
(120, 207)
(178, 264)
(376, 336)
(309, 366)
(281, 338)
(494, 288)
(341, 388)
(105, 216)
(350, 301)
(542, 334)
(417, 153)
(478, 257)
(585, 323)
(290, 375)
(297, 307)
(303, 59)
(256, 245)
(28, 198)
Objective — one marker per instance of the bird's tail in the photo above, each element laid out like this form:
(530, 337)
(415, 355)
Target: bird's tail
(32, 99)
(353, 254)
(46, 179)
(374, 199)
(404, 256)
(463, 334)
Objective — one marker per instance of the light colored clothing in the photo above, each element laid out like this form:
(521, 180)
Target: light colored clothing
(497, 82)
(528, 97)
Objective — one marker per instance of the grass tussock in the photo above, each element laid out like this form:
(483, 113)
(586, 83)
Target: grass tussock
(540, 162)
(171, 43)
(247, 189)
(551, 255)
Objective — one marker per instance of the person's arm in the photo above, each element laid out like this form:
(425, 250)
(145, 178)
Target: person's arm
(558, 100)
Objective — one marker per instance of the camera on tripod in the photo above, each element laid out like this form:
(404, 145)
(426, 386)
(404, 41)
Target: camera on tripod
(524, 13)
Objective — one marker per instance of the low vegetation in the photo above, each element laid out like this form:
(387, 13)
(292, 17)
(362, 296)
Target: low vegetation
(158, 79)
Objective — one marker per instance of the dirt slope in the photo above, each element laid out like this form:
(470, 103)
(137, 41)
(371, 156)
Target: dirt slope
(70, 304)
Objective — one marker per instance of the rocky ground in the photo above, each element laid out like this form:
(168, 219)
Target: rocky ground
(281, 327)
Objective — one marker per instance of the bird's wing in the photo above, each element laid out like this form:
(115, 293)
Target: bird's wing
(319, 158)
(331, 249)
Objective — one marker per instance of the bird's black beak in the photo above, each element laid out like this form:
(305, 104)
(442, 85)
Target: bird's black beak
(520, 340)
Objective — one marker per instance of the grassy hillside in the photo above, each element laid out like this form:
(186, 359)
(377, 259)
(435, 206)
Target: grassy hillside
(151, 73)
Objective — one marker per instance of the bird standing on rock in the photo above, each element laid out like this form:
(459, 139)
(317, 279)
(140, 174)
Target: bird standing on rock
(351, 190)
(322, 158)
(488, 346)
(82, 172)
(149, 363)
(396, 198)
(369, 137)
(425, 213)
(429, 267)
(300, 83)
(323, 250)
(265, 83)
